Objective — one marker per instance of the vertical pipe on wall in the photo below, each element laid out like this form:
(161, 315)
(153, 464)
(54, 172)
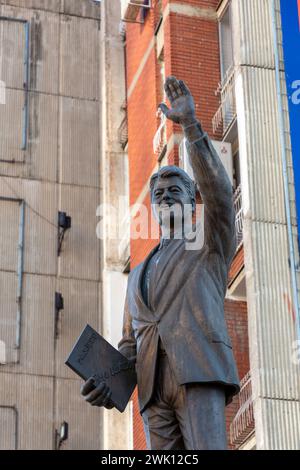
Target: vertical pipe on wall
(20, 272)
(26, 87)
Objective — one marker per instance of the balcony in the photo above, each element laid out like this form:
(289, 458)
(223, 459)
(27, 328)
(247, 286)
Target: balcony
(238, 216)
(242, 426)
(123, 133)
(160, 138)
(237, 289)
(131, 8)
(226, 113)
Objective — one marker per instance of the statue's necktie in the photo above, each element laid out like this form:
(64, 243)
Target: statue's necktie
(150, 271)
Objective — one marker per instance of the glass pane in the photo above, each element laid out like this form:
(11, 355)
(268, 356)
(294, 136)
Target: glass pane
(226, 42)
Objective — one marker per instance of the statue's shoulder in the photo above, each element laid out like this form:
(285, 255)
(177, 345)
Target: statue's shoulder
(134, 271)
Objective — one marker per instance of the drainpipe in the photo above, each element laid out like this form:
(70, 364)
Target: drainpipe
(20, 273)
(26, 87)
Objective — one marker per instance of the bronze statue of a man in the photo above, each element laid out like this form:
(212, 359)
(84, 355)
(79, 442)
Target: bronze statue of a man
(174, 327)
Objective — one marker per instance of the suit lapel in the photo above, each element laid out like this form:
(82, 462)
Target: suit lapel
(141, 274)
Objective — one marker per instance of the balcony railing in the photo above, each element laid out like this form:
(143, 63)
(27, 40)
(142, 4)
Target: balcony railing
(227, 110)
(123, 132)
(131, 8)
(238, 216)
(160, 138)
(243, 423)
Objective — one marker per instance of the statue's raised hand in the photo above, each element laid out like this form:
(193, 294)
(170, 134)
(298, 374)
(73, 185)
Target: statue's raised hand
(182, 104)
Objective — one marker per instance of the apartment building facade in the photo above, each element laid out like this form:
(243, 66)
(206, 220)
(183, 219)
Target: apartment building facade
(230, 54)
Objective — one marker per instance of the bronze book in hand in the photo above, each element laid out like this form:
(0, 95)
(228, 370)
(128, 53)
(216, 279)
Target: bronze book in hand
(93, 356)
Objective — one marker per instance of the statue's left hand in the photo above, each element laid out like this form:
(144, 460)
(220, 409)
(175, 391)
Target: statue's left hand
(182, 104)
(96, 396)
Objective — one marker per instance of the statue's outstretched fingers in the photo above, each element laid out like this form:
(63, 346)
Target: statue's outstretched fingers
(173, 89)
(168, 92)
(184, 88)
(171, 79)
(176, 86)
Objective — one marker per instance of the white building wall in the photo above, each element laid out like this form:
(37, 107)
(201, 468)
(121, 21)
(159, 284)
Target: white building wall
(272, 330)
(117, 430)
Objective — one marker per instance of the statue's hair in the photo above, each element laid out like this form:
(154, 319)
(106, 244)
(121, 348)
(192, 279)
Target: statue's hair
(172, 170)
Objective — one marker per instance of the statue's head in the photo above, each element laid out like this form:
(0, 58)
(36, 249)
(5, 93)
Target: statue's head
(172, 194)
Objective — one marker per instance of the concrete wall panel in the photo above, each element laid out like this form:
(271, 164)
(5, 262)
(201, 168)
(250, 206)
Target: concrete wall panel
(275, 415)
(81, 306)
(49, 5)
(8, 315)
(84, 420)
(80, 257)
(37, 326)
(253, 43)
(12, 52)
(11, 127)
(85, 9)
(32, 397)
(41, 209)
(261, 166)
(8, 438)
(40, 158)
(80, 152)
(9, 235)
(43, 48)
(79, 57)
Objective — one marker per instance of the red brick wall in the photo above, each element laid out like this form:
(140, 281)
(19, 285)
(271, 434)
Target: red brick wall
(193, 55)
(237, 264)
(191, 52)
(139, 441)
(196, 3)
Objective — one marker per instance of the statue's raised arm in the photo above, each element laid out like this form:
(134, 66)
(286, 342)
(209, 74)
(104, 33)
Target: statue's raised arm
(210, 175)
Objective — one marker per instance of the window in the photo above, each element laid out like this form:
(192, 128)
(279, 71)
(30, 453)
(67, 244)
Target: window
(236, 169)
(162, 74)
(226, 43)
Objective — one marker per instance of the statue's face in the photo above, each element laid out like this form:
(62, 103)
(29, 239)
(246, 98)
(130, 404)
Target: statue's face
(169, 200)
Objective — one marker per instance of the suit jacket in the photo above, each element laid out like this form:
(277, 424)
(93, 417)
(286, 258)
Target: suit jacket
(189, 290)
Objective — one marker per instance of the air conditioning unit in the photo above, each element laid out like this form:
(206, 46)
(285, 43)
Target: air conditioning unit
(223, 149)
(131, 8)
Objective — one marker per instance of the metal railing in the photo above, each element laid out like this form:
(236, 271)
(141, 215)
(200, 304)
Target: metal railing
(238, 216)
(123, 132)
(227, 109)
(243, 423)
(131, 8)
